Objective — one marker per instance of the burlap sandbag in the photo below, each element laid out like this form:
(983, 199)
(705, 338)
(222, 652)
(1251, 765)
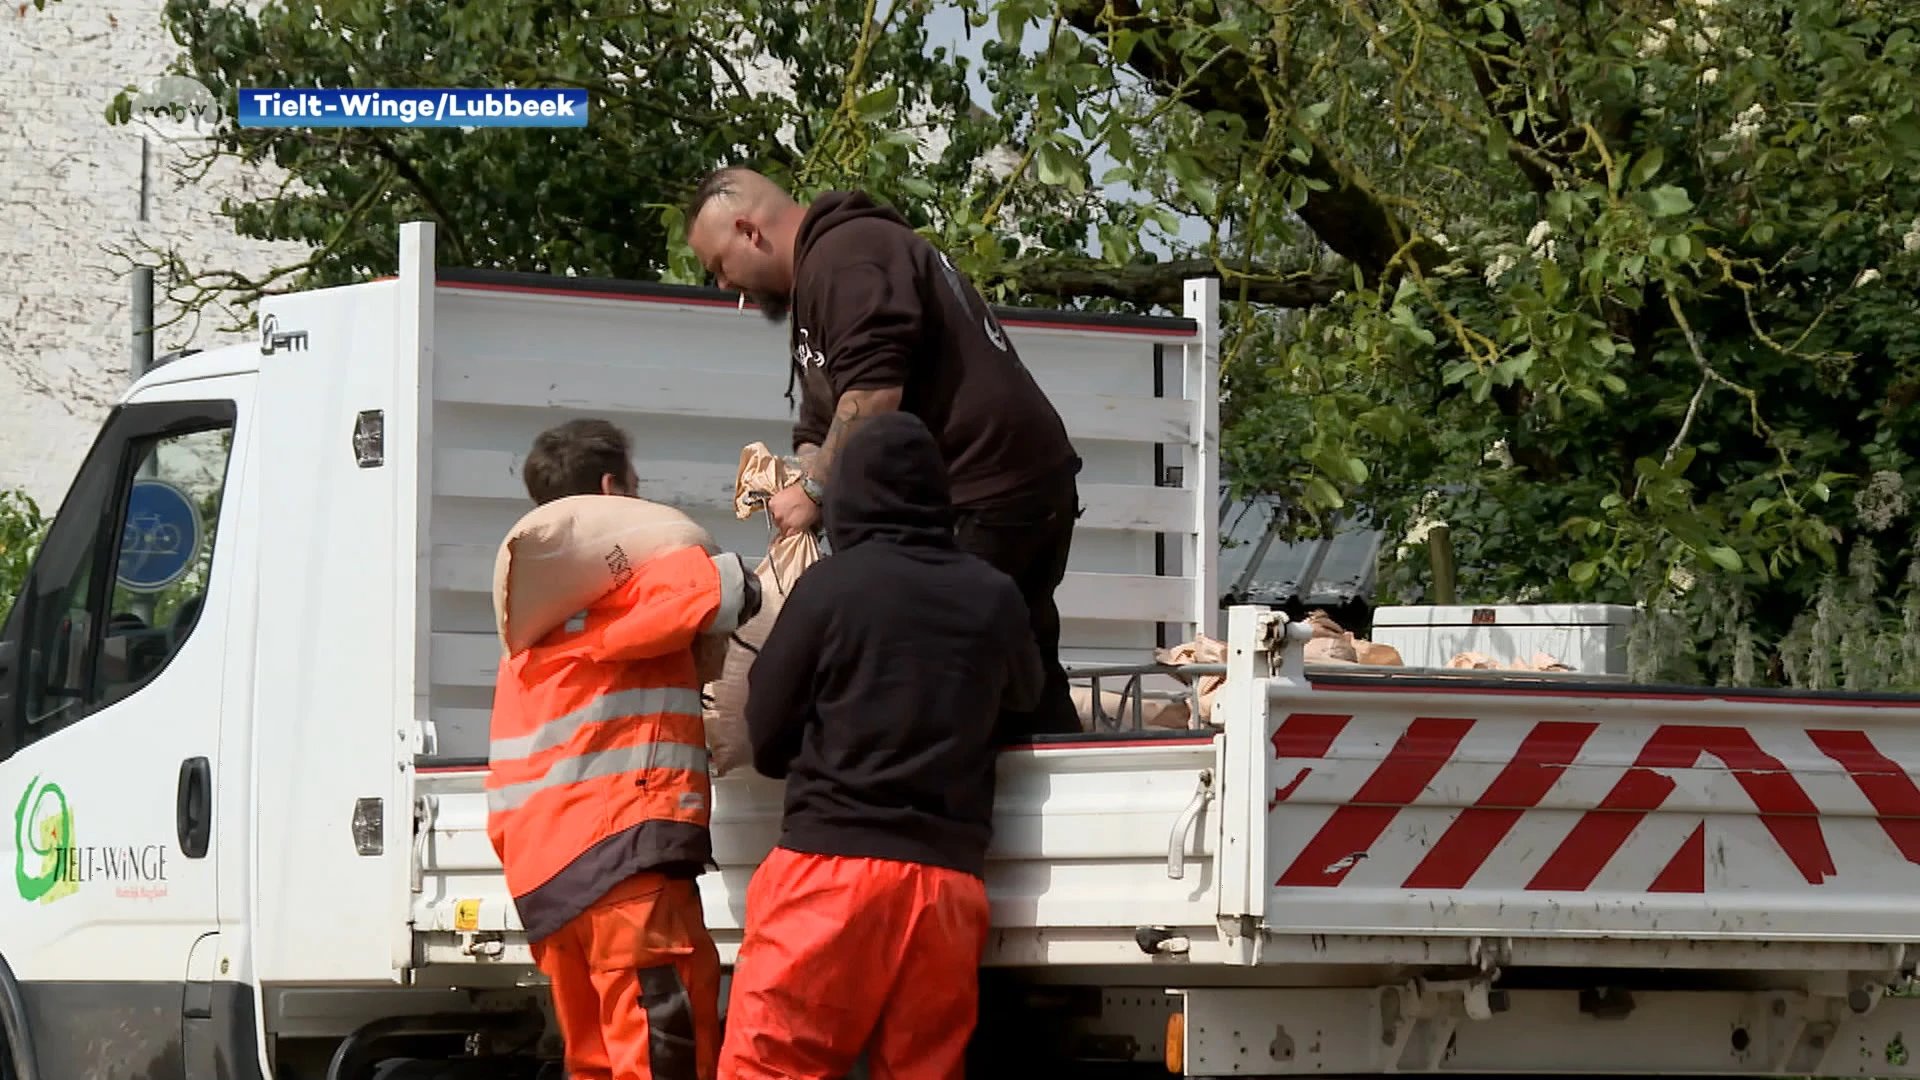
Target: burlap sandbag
(1474, 661)
(1117, 706)
(1333, 645)
(1376, 654)
(1201, 650)
(762, 473)
(563, 556)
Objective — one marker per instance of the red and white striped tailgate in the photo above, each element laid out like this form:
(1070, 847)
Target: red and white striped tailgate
(1570, 813)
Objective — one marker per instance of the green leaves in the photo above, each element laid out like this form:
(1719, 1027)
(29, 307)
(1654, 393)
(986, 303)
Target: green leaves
(876, 105)
(1647, 165)
(1322, 495)
(1668, 200)
(22, 527)
(1012, 22)
(1057, 167)
(1725, 557)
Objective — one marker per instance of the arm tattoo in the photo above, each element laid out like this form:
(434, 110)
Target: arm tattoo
(856, 408)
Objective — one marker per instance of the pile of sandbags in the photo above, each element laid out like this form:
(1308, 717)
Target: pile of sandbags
(559, 559)
(1333, 645)
(1201, 650)
(761, 474)
(1176, 713)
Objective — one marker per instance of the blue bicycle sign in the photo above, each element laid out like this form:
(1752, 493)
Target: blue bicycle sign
(160, 538)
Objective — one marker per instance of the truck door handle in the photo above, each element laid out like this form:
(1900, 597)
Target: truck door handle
(193, 810)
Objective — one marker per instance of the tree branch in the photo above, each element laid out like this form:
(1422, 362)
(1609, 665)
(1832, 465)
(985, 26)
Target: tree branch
(1066, 277)
(1493, 66)
(411, 175)
(1348, 217)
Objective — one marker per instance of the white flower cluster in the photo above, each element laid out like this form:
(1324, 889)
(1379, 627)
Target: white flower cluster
(1655, 41)
(1882, 502)
(1748, 123)
(1540, 241)
(1498, 268)
(1910, 243)
(1419, 524)
(1701, 41)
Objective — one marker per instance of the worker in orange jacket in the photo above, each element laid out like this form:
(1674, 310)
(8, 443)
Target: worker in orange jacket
(598, 792)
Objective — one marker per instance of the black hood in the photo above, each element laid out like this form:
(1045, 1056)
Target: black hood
(890, 484)
(831, 210)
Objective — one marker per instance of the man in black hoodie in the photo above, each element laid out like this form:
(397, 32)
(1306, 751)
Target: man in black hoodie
(882, 321)
(876, 697)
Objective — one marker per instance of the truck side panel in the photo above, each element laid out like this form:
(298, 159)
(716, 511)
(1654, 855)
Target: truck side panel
(1079, 859)
(694, 381)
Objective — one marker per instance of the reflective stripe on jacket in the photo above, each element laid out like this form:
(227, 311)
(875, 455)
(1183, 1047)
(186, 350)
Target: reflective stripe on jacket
(598, 755)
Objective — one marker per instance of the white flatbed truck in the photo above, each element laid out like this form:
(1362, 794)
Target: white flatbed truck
(244, 693)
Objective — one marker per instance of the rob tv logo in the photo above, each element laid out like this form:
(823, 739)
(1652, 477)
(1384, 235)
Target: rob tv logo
(175, 106)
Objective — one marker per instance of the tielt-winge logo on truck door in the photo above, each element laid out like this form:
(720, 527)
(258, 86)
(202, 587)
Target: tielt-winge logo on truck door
(48, 865)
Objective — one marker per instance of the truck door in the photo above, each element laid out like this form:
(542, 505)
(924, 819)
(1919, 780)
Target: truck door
(111, 685)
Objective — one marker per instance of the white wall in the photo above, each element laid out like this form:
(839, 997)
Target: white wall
(69, 191)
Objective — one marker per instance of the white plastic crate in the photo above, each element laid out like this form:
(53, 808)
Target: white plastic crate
(1589, 638)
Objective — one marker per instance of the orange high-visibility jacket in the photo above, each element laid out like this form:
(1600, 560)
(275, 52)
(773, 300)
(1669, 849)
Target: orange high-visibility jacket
(598, 755)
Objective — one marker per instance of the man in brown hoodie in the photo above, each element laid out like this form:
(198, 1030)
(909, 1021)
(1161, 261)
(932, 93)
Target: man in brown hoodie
(881, 321)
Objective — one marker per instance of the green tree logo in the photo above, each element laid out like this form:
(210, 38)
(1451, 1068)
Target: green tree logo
(47, 833)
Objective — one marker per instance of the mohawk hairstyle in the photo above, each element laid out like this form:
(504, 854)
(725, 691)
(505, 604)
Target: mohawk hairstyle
(715, 184)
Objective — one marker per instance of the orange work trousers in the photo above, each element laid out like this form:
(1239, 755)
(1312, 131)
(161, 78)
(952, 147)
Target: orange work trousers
(636, 984)
(843, 955)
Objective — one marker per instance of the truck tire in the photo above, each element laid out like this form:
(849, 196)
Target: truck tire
(16, 1046)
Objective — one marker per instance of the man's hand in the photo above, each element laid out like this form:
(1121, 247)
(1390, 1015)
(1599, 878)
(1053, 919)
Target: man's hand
(793, 511)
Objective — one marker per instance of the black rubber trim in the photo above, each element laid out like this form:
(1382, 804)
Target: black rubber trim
(429, 761)
(699, 294)
(13, 1026)
(1131, 735)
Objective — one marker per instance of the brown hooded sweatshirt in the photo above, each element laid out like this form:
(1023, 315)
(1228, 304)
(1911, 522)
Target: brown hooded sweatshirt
(876, 306)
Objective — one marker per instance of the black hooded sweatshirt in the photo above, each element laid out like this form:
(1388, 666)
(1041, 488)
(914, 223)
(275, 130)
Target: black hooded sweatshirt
(877, 693)
(876, 306)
